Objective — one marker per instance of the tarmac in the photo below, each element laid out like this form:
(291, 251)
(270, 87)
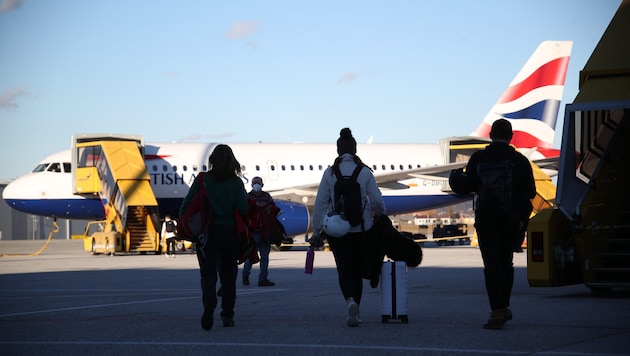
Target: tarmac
(67, 301)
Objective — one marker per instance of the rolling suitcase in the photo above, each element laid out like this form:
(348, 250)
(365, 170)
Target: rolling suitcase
(394, 292)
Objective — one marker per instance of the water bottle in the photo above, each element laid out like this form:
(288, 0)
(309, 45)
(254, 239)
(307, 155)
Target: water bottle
(310, 256)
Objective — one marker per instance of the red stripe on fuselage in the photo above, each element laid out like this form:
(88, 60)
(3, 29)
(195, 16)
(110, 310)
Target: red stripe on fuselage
(151, 157)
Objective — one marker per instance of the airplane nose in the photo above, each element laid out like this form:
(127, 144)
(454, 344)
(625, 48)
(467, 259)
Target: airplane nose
(16, 193)
(9, 191)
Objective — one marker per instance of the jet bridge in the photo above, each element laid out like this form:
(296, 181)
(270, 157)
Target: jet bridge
(586, 237)
(112, 169)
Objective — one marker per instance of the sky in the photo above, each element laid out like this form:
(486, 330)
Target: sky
(400, 71)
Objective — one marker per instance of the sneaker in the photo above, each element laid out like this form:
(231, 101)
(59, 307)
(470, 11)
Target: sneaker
(508, 313)
(245, 280)
(228, 322)
(207, 320)
(166, 255)
(266, 283)
(497, 319)
(353, 314)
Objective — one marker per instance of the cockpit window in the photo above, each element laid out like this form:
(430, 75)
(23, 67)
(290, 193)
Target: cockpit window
(40, 167)
(54, 167)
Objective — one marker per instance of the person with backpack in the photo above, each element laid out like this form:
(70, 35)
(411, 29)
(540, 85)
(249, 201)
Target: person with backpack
(504, 186)
(219, 248)
(342, 214)
(169, 233)
(264, 206)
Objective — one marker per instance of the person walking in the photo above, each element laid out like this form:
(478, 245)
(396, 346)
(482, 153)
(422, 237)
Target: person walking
(264, 205)
(348, 250)
(504, 186)
(218, 249)
(169, 232)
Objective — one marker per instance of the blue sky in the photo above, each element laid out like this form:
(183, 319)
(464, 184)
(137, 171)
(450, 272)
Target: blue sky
(270, 71)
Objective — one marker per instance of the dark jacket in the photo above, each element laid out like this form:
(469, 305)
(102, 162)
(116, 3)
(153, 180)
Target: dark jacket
(226, 197)
(524, 186)
(383, 239)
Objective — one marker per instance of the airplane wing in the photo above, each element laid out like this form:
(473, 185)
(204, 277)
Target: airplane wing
(385, 180)
(392, 180)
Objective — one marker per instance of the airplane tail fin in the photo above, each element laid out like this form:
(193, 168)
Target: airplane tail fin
(532, 100)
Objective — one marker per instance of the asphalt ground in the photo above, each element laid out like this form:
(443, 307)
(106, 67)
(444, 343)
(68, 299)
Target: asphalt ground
(66, 301)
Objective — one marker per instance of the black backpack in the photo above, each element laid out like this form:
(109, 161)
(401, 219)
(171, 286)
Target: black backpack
(495, 191)
(170, 226)
(348, 202)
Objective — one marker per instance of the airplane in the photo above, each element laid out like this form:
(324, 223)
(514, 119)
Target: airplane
(412, 177)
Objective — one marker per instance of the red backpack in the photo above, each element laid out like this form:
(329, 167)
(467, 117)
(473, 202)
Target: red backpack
(196, 218)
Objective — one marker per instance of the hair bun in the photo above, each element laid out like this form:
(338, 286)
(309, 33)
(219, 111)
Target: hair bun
(345, 133)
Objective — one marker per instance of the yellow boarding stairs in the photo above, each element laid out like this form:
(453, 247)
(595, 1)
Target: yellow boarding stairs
(113, 168)
(545, 196)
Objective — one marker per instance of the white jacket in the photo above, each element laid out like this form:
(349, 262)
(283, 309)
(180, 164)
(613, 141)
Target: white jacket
(369, 191)
(166, 234)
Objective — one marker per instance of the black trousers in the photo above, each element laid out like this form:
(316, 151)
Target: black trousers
(170, 245)
(218, 251)
(349, 258)
(496, 242)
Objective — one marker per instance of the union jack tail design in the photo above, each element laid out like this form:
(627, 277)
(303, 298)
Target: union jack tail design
(532, 100)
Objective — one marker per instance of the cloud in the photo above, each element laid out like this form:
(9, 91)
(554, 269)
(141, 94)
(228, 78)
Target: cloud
(241, 29)
(348, 77)
(351, 76)
(8, 5)
(8, 99)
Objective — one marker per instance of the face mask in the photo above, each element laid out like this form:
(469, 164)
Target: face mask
(257, 187)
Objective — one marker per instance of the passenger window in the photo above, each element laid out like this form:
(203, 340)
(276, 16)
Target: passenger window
(273, 167)
(257, 167)
(164, 168)
(174, 168)
(284, 168)
(205, 168)
(154, 168)
(194, 168)
(185, 168)
(383, 167)
(292, 167)
(374, 167)
(310, 166)
(301, 167)
(320, 167)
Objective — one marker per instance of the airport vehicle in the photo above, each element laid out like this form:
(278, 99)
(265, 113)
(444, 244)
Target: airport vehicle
(412, 177)
(459, 232)
(585, 238)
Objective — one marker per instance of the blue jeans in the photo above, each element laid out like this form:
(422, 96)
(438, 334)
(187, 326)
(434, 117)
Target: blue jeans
(264, 247)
